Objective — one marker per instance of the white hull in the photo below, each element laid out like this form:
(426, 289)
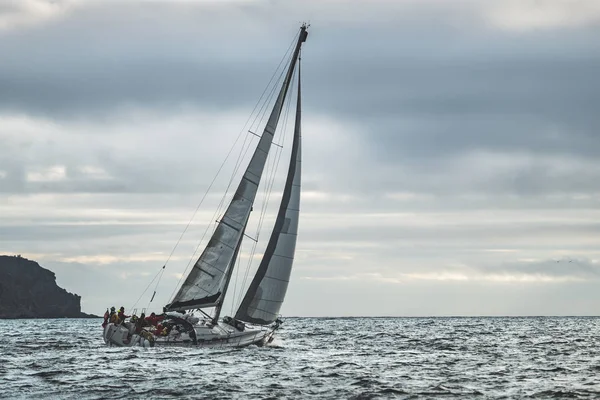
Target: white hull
(220, 335)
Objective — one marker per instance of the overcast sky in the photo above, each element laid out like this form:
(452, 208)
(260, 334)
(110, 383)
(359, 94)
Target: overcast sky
(451, 149)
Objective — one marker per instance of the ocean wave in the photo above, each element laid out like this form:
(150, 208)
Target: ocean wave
(406, 358)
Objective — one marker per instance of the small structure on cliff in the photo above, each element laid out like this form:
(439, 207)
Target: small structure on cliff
(30, 291)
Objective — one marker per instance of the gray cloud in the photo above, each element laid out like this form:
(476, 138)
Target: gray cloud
(441, 142)
(419, 98)
(565, 267)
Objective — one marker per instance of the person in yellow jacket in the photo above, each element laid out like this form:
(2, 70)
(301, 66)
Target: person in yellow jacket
(114, 317)
(121, 314)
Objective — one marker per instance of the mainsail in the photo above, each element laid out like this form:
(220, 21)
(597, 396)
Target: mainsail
(265, 295)
(206, 283)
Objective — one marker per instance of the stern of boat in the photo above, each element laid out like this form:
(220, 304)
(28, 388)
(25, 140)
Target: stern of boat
(122, 335)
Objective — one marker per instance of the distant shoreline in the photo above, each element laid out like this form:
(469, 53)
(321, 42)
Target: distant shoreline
(29, 291)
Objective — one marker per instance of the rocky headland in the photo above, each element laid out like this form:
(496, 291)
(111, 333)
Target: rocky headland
(29, 291)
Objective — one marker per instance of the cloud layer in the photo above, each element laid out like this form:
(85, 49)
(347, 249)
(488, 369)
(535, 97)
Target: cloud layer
(450, 151)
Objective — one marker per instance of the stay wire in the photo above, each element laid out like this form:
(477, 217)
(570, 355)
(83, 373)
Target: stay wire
(226, 158)
(147, 287)
(268, 191)
(262, 112)
(162, 271)
(198, 207)
(288, 54)
(224, 161)
(239, 160)
(263, 109)
(266, 197)
(212, 223)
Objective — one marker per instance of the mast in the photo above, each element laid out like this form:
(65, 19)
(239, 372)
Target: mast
(207, 282)
(265, 295)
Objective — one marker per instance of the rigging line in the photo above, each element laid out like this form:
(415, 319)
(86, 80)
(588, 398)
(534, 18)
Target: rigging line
(265, 106)
(237, 270)
(202, 200)
(277, 157)
(270, 176)
(208, 227)
(265, 103)
(220, 206)
(195, 212)
(263, 211)
(137, 301)
(162, 271)
(285, 56)
(241, 155)
(274, 74)
(231, 150)
(236, 169)
(270, 173)
(227, 157)
(213, 223)
(233, 175)
(263, 109)
(268, 192)
(263, 112)
(275, 164)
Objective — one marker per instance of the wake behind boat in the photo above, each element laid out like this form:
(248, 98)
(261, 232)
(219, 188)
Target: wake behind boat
(205, 287)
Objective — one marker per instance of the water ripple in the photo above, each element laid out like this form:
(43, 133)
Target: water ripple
(351, 358)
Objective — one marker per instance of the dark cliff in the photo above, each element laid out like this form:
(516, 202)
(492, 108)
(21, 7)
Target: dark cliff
(30, 291)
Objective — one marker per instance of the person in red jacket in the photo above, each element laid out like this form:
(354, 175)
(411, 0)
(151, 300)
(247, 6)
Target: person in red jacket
(154, 319)
(159, 331)
(140, 323)
(106, 317)
(122, 315)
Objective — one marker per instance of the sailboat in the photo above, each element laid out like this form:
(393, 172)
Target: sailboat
(206, 285)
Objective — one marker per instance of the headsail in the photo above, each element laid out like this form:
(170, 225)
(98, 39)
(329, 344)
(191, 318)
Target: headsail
(265, 295)
(205, 284)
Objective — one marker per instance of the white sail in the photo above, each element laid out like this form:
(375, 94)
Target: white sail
(266, 293)
(205, 284)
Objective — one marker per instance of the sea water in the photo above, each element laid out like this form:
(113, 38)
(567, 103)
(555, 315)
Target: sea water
(324, 358)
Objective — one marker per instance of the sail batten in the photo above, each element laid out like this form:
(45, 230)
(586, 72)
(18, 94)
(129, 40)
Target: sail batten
(206, 284)
(265, 295)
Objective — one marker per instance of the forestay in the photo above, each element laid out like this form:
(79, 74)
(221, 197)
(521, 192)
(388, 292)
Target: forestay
(205, 283)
